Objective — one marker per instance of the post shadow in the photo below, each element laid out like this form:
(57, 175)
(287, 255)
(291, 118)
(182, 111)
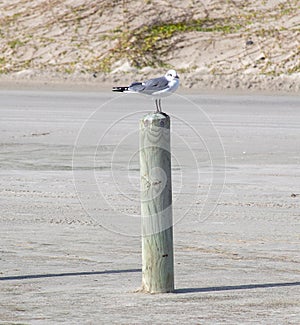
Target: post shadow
(56, 275)
(176, 291)
(237, 287)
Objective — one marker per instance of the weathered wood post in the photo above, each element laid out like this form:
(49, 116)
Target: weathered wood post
(156, 204)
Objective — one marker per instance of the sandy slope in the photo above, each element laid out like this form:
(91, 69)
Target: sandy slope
(213, 44)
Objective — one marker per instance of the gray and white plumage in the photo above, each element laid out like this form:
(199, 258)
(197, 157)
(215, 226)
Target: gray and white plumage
(157, 87)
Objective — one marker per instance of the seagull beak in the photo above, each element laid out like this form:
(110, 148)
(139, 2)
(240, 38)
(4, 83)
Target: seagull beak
(176, 77)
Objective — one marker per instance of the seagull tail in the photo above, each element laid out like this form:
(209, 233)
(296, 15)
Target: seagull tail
(120, 89)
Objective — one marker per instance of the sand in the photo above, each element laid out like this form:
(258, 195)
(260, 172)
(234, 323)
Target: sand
(213, 44)
(69, 223)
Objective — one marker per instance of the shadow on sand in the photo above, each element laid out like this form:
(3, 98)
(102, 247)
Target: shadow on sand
(238, 287)
(55, 275)
(177, 291)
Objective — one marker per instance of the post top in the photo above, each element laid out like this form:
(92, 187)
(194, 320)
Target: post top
(158, 119)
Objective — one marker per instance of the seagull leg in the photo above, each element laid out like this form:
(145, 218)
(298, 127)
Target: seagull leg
(159, 103)
(157, 106)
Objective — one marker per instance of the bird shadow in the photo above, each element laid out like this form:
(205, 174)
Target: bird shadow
(237, 287)
(65, 274)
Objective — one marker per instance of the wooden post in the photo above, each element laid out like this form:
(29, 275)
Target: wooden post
(156, 204)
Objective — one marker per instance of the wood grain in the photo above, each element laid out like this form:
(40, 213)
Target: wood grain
(156, 204)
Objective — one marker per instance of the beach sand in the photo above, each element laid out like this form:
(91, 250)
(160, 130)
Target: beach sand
(69, 224)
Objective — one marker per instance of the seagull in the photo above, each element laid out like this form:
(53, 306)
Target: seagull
(157, 87)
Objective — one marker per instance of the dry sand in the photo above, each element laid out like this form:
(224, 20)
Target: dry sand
(72, 254)
(214, 44)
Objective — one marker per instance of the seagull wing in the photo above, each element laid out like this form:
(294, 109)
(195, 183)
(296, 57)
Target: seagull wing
(154, 85)
(136, 87)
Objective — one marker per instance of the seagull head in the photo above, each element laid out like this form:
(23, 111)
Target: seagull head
(171, 75)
